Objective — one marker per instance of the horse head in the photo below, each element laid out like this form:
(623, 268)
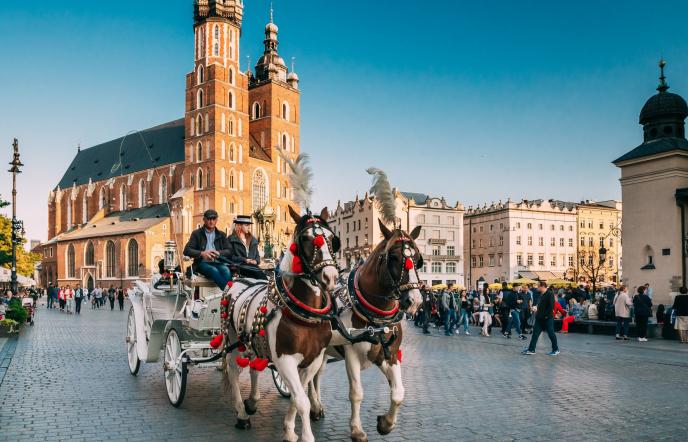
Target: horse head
(394, 264)
(311, 252)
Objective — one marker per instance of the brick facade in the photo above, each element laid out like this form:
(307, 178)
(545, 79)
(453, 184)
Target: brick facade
(230, 161)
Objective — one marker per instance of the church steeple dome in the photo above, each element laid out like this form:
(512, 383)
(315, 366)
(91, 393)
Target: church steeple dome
(270, 65)
(664, 113)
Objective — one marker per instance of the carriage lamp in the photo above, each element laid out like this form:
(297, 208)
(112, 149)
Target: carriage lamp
(170, 256)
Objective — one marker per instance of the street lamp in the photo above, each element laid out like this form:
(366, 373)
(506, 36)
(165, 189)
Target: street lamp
(17, 225)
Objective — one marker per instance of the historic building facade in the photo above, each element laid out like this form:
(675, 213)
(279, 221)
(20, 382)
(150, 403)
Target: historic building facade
(440, 240)
(119, 201)
(654, 189)
(531, 238)
(599, 226)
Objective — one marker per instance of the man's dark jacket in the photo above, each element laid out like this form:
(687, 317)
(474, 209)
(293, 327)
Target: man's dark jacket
(681, 305)
(198, 241)
(239, 254)
(545, 307)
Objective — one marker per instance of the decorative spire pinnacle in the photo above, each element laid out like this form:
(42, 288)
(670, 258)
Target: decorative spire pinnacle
(248, 63)
(293, 59)
(271, 12)
(78, 147)
(663, 86)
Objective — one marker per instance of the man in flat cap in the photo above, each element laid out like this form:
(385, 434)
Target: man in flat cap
(205, 246)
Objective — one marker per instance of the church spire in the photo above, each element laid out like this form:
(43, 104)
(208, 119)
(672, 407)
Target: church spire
(663, 86)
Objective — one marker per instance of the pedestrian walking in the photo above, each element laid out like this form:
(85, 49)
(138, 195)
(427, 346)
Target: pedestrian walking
(60, 298)
(513, 300)
(120, 298)
(78, 297)
(50, 295)
(485, 317)
(642, 307)
(447, 304)
(680, 309)
(622, 309)
(463, 319)
(97, 297)
(544, 320)
(69, 299)
(111, 296)
(526, 308)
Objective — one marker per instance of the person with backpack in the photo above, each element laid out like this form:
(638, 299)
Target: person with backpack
(514, 300)
(642, 307)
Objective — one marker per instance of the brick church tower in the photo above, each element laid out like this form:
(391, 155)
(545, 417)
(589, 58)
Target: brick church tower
(274, 124)
(216, 113)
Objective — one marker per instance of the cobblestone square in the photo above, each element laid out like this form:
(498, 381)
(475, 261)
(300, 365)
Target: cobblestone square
(68, 380)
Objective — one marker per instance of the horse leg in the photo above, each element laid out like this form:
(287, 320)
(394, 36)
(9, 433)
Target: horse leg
(232, 376)
(386, 422)
(353, 371)
(251, 404)
(317, 410)
(287, 366)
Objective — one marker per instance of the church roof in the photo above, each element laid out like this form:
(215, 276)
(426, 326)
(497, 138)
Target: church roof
(153, 147)
(654, 147)
(121, 223)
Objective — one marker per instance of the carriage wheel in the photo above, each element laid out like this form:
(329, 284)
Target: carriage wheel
(175, 369)
(132, 355)
(280, 384)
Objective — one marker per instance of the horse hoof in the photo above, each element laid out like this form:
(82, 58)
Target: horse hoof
(250, 407)
(317, 416)
(359, 439)
(383, 427)
(243, 424)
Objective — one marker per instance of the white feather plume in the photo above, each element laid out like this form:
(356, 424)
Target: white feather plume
(384, 195)
(300, 176)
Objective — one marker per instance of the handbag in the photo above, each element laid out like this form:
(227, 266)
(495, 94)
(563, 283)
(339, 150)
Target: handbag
(531, 321)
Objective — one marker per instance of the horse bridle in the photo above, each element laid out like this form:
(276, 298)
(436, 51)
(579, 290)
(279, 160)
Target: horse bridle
(318, 227)
(407, 264)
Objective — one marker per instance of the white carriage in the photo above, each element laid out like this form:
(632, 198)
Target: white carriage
(179, 317)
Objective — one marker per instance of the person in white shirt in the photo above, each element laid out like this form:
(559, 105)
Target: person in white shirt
(622, 310)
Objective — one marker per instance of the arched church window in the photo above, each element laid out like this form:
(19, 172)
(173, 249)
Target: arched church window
(89, 258)
(122, 197)
(231, 125)
(133, 258)
(230, 100)
(199, 179)
(84, 208)
(110, 259)
(199, 99)
(199, 124)
(71, 264)
(285, 110)
(259, 189)
(199, 152)
(199, 74)
(256, 111)
(142, 193)
(216, 43)
(162, 190)
(101, 198)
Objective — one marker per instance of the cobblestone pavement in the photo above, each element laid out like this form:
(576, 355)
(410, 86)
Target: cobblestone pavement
(68, 380)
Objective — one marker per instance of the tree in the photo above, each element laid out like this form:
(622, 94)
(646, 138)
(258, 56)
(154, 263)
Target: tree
(25, 260)
(591, 266)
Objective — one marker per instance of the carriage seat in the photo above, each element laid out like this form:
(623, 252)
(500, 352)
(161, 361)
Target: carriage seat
(198, 280)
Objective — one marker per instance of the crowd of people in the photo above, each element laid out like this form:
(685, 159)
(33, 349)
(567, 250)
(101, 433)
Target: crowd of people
(514, 310)
(69, 300)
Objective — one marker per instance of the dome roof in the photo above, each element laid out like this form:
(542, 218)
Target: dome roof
(271, 27)
(292, 76)
(663, 104)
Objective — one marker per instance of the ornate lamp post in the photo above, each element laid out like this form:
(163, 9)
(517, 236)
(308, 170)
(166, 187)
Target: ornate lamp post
(17, 225)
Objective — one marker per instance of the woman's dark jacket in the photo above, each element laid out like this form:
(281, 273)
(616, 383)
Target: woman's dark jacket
(239, 254)
(681, 305)
(198, 241)
(545, 307)
(642, 305)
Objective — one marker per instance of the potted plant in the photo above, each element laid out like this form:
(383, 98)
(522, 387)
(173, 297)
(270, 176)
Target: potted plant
(8, 327)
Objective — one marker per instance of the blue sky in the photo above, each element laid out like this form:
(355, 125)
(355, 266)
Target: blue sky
(475, 101)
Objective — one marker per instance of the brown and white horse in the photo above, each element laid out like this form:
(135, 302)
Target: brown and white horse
(376, 295)
(287, 324)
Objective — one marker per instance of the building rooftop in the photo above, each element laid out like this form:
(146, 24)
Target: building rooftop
(654, 147)
(153, 147)
(121, 222)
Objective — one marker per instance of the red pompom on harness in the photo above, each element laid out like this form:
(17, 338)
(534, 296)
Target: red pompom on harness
(242, 362)
(319, 241)
(230, 284)
(224, 302)
(399, 355)
(292, 248)
(296, 265)
(216, 341)
(259, 364)
(408, 264)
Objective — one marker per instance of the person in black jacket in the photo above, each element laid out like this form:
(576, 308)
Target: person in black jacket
(544, 319)
(205, 246)
(680, 307)
(244, 248)
(642, 307)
